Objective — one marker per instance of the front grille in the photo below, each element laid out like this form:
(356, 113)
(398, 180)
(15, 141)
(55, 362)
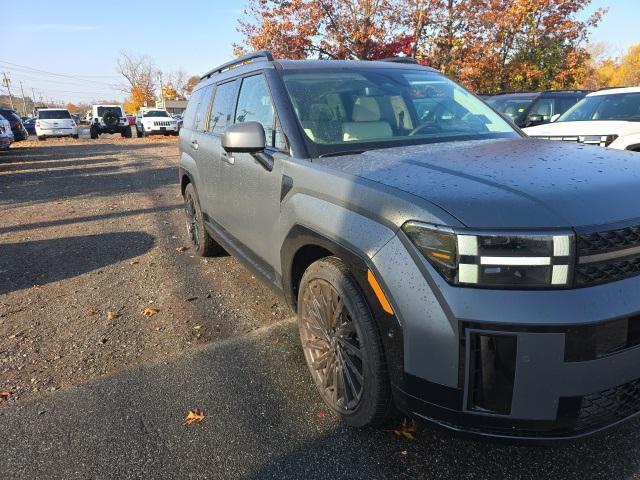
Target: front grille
(161, 124)
(609, 406)
(592, 269)
(600, 242)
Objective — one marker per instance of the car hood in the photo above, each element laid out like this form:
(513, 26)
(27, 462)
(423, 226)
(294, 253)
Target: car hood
(514, 183)
(591, 127)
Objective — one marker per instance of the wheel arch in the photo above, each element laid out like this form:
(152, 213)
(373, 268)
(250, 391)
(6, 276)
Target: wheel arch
(303, 246)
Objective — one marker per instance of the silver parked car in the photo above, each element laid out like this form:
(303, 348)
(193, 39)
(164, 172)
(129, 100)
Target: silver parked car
(439, 261)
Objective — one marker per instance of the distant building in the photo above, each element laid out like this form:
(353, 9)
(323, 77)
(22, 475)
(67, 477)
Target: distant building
(172, 106)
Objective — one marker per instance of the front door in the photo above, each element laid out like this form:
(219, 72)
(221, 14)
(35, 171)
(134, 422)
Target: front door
(251, 194)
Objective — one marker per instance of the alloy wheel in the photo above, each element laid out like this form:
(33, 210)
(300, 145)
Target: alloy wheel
(331, 346)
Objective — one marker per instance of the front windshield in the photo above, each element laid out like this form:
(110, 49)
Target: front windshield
(512, 106)
(354, 110)
(53, 114)
(615, 106)
(155, 113)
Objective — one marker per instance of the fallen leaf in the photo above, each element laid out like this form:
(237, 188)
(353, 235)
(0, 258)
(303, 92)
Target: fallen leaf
(5, 394)
(111, 316)
(182, 249)
(37, 287)
(406, 430)
(191, 299)
(403, 452)
(275, 341)
(320, 413)
(197, 327)
(194, 416)
(149, 312)
(92, 311)
(134, 262)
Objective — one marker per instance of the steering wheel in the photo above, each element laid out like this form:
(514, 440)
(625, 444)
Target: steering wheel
(434, 126)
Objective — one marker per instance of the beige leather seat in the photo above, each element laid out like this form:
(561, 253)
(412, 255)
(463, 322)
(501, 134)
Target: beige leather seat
(366, 123)
(321, 126)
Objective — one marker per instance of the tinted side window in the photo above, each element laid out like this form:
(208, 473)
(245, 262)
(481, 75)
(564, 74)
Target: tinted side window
(564, 104)
(222, 107)
(255, 105)
(203, 108)
(192, 106)
(543, 107)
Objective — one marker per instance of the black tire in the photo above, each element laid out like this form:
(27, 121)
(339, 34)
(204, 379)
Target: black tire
(201, 241)
(126, 133)
(42, 138)
(76, 136)
(142, 132)
(138, 133)
(93, 132)
(374, 404)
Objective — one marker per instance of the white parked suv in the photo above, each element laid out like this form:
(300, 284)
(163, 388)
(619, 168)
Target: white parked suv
(154, 121)
(109, 119)
(55, 122)
(609, 118)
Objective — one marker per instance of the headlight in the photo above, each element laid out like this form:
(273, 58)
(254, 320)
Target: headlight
(496, 259)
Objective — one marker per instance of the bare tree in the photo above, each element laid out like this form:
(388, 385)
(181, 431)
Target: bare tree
(140, 73)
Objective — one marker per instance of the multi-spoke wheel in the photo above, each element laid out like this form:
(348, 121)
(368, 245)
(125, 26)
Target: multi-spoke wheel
(331, 346)
(341, 344)
(203, 244)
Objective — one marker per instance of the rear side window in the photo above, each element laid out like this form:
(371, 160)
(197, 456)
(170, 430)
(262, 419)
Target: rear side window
(255, 105)
(203, 108)
(190, 113)
(222, 107)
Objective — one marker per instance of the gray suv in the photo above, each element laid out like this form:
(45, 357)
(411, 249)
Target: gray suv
(440, 263)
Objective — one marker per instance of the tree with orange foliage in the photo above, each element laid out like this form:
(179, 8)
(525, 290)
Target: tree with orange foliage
(488, 45)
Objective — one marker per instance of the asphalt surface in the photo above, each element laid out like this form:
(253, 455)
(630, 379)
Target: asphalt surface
(263, 421)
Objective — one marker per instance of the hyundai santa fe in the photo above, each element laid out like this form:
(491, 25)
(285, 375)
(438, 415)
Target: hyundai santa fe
(439, 262)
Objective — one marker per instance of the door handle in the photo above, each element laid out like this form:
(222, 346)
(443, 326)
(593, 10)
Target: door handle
(227, 158)
(194, 144)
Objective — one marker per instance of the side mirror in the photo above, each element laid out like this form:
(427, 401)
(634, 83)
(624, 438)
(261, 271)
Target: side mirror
(534, 119)
(246, 137)
(554, 118)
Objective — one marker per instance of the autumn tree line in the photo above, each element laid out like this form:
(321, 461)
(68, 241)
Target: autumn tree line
(487, 45)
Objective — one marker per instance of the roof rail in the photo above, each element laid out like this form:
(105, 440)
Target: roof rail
(400, 60)
(263, 54)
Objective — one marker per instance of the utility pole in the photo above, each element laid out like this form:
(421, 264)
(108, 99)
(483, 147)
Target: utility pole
(161, 88)
(24, 102)
(7, 82)
(33, 99)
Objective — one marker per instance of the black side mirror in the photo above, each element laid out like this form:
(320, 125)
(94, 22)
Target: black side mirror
(534, 119)
(248, 137)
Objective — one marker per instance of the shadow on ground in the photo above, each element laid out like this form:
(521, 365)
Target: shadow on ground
(262, 422)
(39, 262)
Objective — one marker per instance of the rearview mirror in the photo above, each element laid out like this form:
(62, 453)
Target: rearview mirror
(246, 137)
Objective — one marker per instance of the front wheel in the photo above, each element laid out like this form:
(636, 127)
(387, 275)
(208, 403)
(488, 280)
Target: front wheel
(93, 132)
(341, 344)
(126, 133)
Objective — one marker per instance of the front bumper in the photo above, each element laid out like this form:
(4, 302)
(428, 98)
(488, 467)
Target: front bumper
(160, 130)
(574, 368)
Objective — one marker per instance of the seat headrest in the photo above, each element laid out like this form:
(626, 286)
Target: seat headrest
(320, 112)
(365, 109)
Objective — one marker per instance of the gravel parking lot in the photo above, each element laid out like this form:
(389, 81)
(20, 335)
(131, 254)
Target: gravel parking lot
(92, 235)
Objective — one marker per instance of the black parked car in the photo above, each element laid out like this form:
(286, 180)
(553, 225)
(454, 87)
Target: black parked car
(528, 109)
(19, 132)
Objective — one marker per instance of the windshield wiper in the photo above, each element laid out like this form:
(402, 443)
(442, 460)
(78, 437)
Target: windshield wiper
(343, 153)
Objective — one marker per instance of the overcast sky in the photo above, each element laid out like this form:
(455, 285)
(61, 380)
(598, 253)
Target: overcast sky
(80, 40)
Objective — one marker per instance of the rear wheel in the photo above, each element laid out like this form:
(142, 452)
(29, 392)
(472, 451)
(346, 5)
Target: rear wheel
(126, 133)
(203, 244)
(93, 132)
(341, 344)
(138, 132)
(42, 138)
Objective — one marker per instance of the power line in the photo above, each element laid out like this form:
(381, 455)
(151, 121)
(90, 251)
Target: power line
(45, 72)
